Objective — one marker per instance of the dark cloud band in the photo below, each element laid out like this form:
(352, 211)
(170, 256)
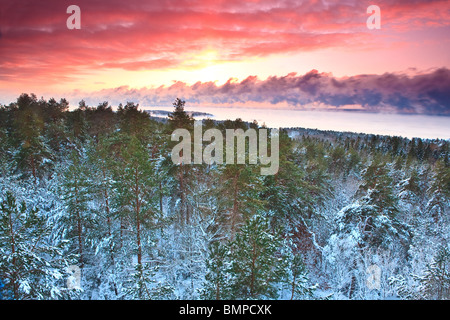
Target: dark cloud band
(422, 93)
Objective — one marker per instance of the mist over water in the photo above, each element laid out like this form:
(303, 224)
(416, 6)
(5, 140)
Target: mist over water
(408, 126)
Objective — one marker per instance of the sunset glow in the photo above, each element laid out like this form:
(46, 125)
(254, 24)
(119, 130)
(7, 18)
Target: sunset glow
(153, 47)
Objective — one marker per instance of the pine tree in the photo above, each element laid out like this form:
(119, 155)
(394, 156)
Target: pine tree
(377, 188)
(217, 277)
(76, 189)
(101, 120)
(293, 195)
(337, 160)
(295, 275)
(6, 159)
(255, 265)
(32, 260)
(412, 194)
(439, 191)
(410, 188)
(353, 162)
(136, 196)
(106, 234)
(77, 122)
(375, 214)
(133, 121)
(285, 191)
(142, 284)
(239, 194)
(179, 118)
(29, 125)
(435, 283)
(54, 114)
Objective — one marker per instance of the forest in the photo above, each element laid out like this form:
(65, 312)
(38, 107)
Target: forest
(93, 208)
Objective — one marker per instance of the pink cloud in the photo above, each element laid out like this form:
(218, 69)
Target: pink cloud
(35, 44)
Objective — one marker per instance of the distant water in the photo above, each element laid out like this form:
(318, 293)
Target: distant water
(409, 126)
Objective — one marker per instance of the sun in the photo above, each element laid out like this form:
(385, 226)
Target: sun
(206, 65)
(204, 58)
(209, 56)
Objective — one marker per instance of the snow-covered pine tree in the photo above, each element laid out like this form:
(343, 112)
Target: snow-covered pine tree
(136, 197)
(76, 190)
(439, 191)
(295, 275)
(376, 213)
(435, 283)
(255, 261)
(239, 195)
(32, 261)
(432, 284)
(33, 152)
(104, 238)
(217, 278)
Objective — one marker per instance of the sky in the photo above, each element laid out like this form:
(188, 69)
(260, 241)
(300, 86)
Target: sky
(265, 54)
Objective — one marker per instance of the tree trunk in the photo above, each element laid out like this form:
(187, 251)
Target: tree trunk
(160, 198)
(217, 291)
(293, 287)
(234, 213)
(138, 221)
(184, 213)
(33, 169)
(252, 278)
(109, 223)
(13, 275)
(79, 227)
